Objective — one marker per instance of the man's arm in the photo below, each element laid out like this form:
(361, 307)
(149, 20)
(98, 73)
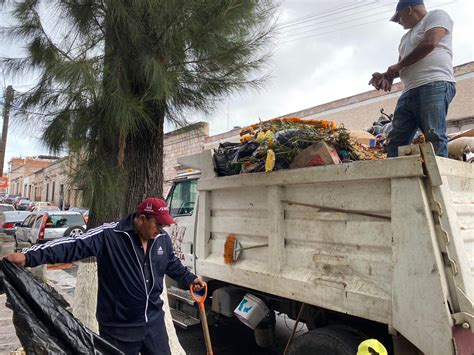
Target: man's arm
(430, 41)
(63, 250)
(176, 270)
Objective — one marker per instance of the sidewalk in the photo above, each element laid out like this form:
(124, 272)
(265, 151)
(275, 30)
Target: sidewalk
(63, 280)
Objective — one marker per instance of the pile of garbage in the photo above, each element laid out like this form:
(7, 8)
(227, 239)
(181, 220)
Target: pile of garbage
(290, 143)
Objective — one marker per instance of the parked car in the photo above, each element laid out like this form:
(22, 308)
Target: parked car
(84, 211)
(6, 207)
(39, 204)
(24, 228)
(31, 205)
(45, 208)
(9, 198)
(9, 219)
(45, 226)
(22, 205)
(17, 199)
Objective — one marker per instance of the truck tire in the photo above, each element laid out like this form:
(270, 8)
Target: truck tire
(326, 340)
(73, 231)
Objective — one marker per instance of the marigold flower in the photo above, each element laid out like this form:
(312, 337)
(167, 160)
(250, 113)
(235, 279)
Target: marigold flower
(246, 138)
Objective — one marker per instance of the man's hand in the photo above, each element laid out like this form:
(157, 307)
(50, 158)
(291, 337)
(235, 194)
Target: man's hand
(380, 81)
(385, 84)
(198, 284)
(393, 71)
(376, 79)
(17, 259)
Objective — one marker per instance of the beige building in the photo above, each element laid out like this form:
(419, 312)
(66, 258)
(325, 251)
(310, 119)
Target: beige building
(52, 184)
(19, 168)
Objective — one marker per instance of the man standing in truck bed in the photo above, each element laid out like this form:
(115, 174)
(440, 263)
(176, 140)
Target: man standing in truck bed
(426, 71)
(132, 257)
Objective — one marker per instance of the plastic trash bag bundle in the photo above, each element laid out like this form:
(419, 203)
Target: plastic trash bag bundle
(42, 323)
(227, 156)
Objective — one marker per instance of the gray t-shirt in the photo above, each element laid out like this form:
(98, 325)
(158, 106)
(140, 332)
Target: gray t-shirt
(436, 66)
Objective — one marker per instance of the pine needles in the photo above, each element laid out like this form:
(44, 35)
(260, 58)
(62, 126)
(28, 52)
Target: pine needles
(111, 72)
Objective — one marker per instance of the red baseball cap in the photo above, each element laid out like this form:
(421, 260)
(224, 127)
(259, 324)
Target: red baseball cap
(158, 208)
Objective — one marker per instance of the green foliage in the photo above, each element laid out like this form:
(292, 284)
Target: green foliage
(110, 70)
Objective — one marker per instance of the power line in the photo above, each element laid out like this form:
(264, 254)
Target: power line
(348, 15)
(343, 22)
(349, 27)
(325, 13)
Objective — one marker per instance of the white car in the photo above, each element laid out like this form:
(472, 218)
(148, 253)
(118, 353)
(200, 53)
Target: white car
(41, 227)
(6, 207)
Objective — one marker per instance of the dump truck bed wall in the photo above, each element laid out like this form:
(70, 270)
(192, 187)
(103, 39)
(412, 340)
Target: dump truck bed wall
(385, 260)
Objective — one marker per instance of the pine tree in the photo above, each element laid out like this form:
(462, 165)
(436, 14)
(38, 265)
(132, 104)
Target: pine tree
(112, 71)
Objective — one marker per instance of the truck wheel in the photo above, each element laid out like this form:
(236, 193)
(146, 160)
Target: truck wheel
(326, 340)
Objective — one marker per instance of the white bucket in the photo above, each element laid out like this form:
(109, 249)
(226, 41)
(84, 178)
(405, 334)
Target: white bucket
(251, 310)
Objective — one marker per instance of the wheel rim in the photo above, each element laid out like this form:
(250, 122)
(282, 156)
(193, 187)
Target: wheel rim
(76, 231)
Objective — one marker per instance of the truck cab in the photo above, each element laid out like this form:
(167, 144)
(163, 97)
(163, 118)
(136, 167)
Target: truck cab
(181, 200)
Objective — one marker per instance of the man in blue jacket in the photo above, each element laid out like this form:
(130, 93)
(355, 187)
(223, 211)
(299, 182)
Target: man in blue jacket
(133, 255)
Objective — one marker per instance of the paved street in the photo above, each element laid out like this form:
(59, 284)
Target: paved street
(229, 339)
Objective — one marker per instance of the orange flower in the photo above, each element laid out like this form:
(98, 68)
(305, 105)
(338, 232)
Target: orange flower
(246, 130)
(246, 138)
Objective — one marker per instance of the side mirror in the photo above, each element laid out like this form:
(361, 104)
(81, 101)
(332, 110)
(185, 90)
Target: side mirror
(18, 224)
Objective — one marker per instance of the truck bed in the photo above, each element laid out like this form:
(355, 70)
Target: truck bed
(390, 241)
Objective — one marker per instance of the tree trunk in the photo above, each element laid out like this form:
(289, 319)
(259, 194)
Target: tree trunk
(144, 163)
(141, 154)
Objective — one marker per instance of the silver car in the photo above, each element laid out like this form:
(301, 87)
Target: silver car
(23, 229)
(41, 227)
(9, 220)
(6, 207)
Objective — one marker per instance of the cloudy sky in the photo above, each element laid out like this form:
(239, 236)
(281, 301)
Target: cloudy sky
(324, 50)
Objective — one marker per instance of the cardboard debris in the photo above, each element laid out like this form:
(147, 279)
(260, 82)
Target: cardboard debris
(364, 137)
(317, 154)
(468, 133)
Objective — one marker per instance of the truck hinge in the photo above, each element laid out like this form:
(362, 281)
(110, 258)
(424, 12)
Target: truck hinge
(464, 319)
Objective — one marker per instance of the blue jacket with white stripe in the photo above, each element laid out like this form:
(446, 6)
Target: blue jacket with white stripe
(126, 304)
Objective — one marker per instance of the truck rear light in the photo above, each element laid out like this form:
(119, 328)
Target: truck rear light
(8, 225)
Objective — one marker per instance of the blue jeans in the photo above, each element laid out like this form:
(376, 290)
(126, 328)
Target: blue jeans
(426, 108)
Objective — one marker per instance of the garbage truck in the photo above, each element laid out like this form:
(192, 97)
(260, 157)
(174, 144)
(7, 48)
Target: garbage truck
(369, 249)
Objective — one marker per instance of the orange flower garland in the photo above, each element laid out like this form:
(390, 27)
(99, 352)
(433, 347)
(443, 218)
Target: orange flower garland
(311, 123)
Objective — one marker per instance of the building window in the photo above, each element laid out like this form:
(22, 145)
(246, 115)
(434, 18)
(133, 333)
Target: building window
(47, 192)
(52, 192)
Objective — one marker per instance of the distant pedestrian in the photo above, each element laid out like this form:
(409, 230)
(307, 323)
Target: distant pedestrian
(426, 70)
(133, 255)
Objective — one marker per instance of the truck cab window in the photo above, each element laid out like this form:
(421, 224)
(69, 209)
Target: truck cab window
(183, 198)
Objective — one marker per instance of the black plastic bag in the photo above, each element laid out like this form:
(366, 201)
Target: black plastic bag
(42, 323)
(227, 156)
(294, 138)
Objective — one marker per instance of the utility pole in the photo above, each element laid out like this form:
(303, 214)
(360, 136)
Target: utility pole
(6, 116)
